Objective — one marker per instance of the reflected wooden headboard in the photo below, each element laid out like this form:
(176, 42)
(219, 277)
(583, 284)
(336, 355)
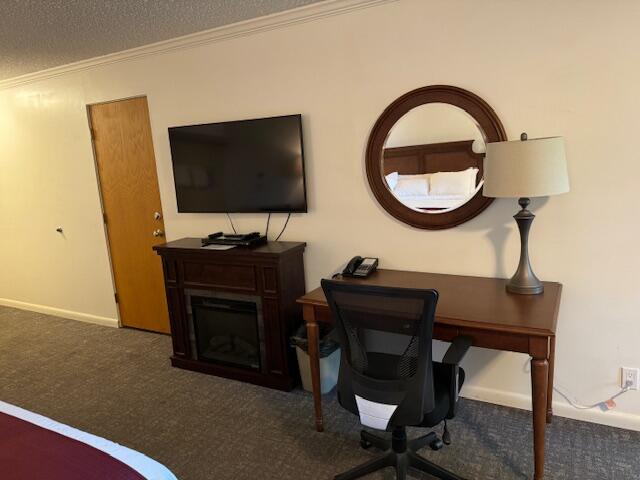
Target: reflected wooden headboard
(433, 157)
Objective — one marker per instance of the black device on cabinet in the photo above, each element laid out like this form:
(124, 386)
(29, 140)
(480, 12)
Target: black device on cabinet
(252, 239)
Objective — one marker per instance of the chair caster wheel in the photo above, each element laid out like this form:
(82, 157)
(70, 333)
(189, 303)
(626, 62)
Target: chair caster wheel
(365, 444)
(436, 444)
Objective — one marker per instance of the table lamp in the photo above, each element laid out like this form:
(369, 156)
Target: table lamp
(524, 169)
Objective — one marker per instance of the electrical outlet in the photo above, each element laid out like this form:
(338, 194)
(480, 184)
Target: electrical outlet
(631, 378)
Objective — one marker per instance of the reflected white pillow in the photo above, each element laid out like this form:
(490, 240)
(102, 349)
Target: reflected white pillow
(415, 175)
(411, 185)
(392, 180)
(454, 183)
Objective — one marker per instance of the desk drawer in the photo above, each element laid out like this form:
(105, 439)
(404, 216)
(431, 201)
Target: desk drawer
(237, 277)
(511, 342)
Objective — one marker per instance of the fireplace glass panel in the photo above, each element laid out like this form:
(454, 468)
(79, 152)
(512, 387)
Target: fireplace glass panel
(226, 331)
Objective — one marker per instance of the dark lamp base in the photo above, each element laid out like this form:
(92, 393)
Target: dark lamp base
(524, 281)
(525, 289)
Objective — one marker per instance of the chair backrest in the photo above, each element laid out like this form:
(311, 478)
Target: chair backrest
(386, 370)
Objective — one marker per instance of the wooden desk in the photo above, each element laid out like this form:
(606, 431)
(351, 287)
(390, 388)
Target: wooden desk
(474, 306)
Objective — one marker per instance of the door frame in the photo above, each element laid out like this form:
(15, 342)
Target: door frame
(99, 185)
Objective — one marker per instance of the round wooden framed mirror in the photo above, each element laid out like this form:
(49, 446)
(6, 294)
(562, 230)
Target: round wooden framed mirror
(425, 156)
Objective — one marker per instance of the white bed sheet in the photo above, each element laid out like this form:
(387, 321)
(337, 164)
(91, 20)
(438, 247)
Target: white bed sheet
(432, 201)
(147, 467)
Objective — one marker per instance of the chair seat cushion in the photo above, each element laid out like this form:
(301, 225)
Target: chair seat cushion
(441, 384)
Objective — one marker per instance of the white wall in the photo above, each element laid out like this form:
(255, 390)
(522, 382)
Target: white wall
(551, 68)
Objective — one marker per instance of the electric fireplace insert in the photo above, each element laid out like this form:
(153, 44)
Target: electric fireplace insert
(226, 331)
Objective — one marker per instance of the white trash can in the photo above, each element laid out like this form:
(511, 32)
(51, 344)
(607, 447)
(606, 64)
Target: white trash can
(329, 367)
(329, 360)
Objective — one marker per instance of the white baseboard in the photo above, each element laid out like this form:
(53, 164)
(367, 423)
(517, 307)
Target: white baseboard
(611, 418)
(59, 312)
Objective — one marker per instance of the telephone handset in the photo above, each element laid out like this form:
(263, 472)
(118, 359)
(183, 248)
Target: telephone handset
(360, 267)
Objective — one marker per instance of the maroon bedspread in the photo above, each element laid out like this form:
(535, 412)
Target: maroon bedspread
(30, 452)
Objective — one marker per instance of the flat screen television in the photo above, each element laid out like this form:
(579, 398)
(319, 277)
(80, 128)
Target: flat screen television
(246, 166)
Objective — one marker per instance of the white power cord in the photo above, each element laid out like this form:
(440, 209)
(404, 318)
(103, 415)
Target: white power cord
(604, 405)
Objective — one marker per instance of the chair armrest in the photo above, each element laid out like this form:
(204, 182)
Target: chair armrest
(458, 349)
(452, 358)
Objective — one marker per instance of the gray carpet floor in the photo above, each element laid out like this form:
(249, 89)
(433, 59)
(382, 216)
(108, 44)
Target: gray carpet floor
(118, 384)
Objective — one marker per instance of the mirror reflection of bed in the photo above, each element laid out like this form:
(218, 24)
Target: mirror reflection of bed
(432, 160)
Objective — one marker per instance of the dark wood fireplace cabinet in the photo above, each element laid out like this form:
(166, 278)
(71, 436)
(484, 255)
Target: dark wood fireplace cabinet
(232, 311)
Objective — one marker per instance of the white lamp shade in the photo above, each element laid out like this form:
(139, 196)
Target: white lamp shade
(529, 168)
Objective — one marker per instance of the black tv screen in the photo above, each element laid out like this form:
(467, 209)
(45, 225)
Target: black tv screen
(243, 166)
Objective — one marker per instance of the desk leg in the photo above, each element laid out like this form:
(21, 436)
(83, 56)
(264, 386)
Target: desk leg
(552, 362)
(314, 362)
(539, 381)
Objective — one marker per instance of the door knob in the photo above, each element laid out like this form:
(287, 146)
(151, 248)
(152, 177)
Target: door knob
(158, 233)
(157, 216)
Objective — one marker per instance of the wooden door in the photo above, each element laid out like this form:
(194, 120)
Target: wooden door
(126, 165)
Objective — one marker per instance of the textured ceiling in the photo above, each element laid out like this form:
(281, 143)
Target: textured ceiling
(39, 34)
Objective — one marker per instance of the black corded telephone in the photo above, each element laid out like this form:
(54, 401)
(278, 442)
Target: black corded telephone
(360, 267)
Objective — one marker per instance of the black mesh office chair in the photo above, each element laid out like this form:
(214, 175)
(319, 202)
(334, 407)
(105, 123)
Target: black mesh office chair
(387, 375)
